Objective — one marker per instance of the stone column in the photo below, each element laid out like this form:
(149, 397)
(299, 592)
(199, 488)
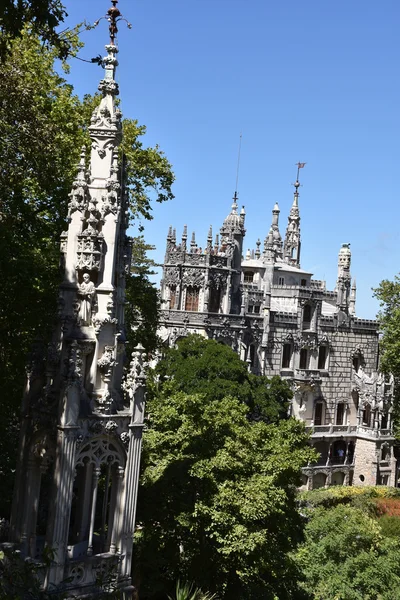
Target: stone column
(62, 499)
(95, 482)
(131, 490)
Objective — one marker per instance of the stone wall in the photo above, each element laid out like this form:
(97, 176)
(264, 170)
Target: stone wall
(366, 464)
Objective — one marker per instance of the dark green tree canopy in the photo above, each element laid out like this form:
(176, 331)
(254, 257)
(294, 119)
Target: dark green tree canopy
(43, 16)
(220, 468)
(199, 365)
(217, 504)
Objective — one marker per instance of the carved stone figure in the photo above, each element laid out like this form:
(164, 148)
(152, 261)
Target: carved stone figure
(86, 292)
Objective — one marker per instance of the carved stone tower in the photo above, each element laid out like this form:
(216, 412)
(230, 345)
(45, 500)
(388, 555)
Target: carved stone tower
(77, 477)
(292, 242)
(344, 279)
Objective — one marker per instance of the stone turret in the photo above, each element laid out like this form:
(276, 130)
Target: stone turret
(292, 239)
(344, 278)
(82, 422)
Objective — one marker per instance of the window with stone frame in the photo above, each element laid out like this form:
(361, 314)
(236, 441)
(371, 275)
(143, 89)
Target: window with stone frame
(281, 281)
(286, 356)
(322, 356)
(257, 308)
(248, 276)
(319, 413)
(303, 282)
(340, 413)
(215, 300)
(172, 297)
(304, 358)
(192, 299)
(366, 415)
(307, 316)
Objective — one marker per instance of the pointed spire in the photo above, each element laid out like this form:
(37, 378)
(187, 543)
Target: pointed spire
(292, 244)
(216, 243)
(234, 223)
(258, 251)
(193, 245)
(184, 238)
(209, 240)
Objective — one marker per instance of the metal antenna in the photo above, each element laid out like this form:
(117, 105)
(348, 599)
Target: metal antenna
(238, 165)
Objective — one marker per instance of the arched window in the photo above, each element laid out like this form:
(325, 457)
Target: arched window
(192, 299)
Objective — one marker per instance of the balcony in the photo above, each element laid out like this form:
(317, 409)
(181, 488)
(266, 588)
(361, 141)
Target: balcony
(307, 376)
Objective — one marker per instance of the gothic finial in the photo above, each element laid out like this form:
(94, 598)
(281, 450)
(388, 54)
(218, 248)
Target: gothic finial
(258, 251)
(184, 238)
(113, 16)
(193, 244)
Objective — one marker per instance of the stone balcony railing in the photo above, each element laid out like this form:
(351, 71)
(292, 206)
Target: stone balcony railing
(307, 375)
(345, 430)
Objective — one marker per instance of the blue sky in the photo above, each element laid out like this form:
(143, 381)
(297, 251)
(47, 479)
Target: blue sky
(312, 81)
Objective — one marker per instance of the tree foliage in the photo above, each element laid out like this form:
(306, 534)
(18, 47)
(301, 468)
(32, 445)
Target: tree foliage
(42, 129)
(388, 294)
(43, 16)
(217, 504)
(198, 365)
(346, 557)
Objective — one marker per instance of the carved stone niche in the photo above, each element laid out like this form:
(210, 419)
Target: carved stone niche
(90, 252)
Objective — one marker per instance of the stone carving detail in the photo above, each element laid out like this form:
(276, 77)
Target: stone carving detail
(136, 376)
(125, 437)
(90, 251)
(175, 257)
(217, 279)
(172, 276)
(99, 322)
(106, 363)
(98, 451)
(193, 277)
(73, 364)
(195, 259)
(86, 292)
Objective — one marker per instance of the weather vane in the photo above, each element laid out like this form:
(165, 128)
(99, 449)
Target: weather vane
(299, 166)
(113, 16)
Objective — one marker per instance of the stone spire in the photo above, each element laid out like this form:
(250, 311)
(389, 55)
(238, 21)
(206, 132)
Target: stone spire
(82, 419)
(353, 294)
(344, 278)
(274, 239)
(292, 242)
(184, 238)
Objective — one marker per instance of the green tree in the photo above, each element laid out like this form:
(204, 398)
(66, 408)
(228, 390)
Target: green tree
(43, 16)
(217, 505)
(198, 365)
(42, 128)
(346, 557)
(388, 294)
